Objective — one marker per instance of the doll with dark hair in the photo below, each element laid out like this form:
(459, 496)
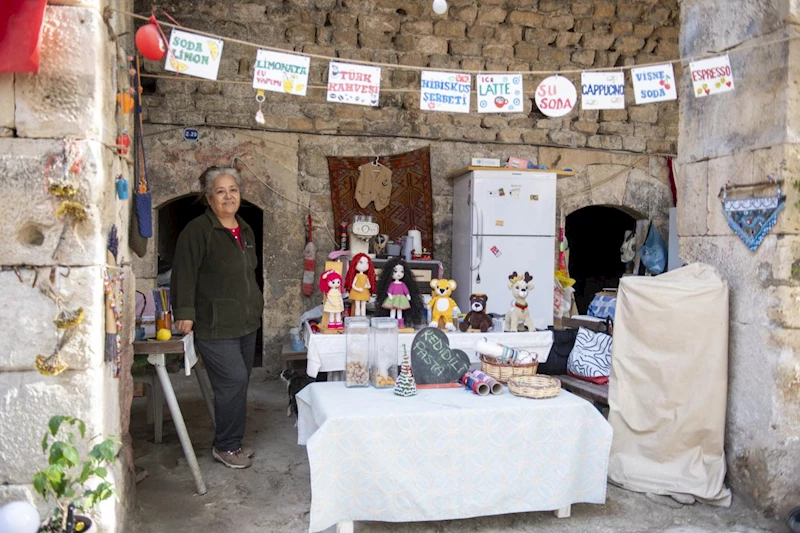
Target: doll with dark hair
(398, 294)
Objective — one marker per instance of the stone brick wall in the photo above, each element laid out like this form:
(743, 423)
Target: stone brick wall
(717, 146)
(495, 35)
(71, 97)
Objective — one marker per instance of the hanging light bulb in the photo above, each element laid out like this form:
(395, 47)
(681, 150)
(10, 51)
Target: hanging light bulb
(440, 7)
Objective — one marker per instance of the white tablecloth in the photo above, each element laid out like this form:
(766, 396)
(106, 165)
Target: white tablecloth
(326, 353)
(447, 454)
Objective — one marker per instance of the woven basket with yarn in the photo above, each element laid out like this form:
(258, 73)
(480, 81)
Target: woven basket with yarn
(534, 386)
(503, 372)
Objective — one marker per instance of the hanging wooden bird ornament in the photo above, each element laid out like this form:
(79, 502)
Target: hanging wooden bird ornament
(125, 102)
(123, 142)
(259, 114)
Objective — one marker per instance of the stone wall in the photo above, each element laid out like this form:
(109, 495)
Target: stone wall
(494, 35)
(71, 98)
(717, 146)
(610, 150)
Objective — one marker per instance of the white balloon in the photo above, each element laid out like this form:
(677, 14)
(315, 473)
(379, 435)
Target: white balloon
(440, 7)
(19, 517)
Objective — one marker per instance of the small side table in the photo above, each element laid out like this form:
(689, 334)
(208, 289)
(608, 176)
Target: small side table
(155, 351)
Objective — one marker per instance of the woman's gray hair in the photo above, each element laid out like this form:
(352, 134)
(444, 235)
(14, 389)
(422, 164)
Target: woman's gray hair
(208, 177)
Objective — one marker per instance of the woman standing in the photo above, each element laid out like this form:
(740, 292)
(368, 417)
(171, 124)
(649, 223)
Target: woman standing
(215, 294)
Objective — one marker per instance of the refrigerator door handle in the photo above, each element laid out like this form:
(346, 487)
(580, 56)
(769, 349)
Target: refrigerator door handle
(478, 237)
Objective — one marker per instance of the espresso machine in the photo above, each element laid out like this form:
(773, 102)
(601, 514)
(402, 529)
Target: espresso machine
(360, 231)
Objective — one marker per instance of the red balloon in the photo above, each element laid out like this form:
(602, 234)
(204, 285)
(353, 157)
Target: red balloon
(150, 43)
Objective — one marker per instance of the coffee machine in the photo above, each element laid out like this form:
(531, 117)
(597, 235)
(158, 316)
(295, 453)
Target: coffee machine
(360, 231)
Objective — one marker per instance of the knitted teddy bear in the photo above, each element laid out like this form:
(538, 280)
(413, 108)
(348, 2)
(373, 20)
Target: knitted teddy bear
(476, 319)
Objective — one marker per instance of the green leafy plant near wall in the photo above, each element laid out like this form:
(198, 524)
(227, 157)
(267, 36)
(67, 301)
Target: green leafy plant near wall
(66, 480)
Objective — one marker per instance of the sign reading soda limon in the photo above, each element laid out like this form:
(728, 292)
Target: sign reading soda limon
(193, 55)
(500, 93)
(711, 76)
(281, 73)
(353, 84)
(444, 91)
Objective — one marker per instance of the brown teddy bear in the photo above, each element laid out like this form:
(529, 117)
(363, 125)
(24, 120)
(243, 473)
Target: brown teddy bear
(476, 319)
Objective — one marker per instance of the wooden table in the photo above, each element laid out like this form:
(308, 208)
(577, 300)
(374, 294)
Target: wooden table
(156, 355)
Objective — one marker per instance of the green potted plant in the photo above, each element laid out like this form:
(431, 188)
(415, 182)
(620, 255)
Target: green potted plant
(64, 481)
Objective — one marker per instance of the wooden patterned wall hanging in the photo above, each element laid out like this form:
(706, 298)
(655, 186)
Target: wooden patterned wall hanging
(411, 204)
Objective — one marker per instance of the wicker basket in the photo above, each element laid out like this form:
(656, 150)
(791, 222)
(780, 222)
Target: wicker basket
(504, 372)
(534, 386)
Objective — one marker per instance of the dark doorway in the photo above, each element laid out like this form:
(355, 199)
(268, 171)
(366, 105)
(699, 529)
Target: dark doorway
(174, 215)
(595, 235)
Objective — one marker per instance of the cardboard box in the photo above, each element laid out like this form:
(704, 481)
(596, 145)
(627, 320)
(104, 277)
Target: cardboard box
(485, 162)
(516, 162)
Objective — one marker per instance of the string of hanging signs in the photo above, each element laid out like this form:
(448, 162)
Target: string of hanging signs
(359, 83)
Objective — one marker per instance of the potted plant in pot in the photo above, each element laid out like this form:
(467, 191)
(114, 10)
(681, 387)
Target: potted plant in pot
(75, 485)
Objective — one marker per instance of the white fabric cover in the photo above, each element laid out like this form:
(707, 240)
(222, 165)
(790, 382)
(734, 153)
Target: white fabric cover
(446, 454)
(669, 384)
(327, 353)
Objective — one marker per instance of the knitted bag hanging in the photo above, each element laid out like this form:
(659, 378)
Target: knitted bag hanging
(143, 203)
(752, 218)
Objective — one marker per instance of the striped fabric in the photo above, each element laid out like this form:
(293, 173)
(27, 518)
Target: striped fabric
(591, 355)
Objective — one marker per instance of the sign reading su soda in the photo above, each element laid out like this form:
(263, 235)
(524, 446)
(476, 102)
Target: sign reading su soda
(556, 96)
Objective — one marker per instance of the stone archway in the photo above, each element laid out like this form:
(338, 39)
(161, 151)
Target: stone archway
(268, 166)
(595, 235)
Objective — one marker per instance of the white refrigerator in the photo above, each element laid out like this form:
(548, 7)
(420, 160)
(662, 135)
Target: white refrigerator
(504, 221)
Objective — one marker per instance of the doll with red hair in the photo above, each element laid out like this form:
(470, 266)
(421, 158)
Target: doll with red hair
(330, 283)
(360, 283)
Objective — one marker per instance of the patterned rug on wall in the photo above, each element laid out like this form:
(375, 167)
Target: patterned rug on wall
(411, 203)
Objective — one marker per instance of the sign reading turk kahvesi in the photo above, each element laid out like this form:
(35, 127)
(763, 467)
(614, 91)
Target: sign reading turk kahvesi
(500, 93)
(445, 91)
(654, 84)
(556, 96)
(193, 55)
(281, 73)
(602, 90)
(353, 84)
(711, 76)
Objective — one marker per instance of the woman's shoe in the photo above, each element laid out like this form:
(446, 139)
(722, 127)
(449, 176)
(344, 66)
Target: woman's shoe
(232, 459)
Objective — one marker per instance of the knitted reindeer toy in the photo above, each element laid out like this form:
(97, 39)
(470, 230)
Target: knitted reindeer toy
(519, 314)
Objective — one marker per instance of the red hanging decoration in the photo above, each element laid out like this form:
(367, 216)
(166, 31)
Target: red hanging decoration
(123, 143)
(149, 41)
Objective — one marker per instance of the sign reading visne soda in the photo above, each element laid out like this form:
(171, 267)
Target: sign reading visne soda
(194, 55)
(281, 73)
(556, 96)
(602, 90)
(654, 84)
(500, 93)
(445, 91)
(711, 76)
(353, 84)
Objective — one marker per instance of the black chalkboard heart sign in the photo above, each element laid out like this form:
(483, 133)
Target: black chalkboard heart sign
(433, 361)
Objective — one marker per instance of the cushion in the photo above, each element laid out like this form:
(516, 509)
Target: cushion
(591, 355)
(603, 306)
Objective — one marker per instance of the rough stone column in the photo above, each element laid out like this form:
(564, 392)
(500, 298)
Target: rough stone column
(71, 100)
(742, 137)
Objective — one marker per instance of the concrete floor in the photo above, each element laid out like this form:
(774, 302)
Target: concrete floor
(274, 495)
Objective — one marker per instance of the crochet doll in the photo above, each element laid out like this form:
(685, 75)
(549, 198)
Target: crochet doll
(330, 283)
(398, 294)
(360, 283)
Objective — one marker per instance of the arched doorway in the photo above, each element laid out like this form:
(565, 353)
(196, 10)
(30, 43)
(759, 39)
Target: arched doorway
(175, 214)
(595, 234)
